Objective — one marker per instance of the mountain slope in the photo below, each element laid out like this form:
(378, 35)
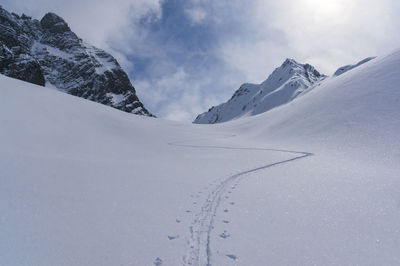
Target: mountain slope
(285, 84)
(48, 53)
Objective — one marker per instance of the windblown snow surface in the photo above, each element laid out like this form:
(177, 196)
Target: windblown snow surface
(313, 182)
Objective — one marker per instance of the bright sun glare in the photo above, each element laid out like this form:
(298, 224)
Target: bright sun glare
(325, 7)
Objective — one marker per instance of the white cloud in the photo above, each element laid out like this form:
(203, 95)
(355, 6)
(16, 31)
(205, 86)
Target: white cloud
(175, 95)
(196, 14)
(326, 33)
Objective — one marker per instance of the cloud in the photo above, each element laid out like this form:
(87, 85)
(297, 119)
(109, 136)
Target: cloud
(326, 33)
(178, 95)
(196, 15)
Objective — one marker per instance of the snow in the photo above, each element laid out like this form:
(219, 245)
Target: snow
(315, 181)
(115, 98)
(39, 48)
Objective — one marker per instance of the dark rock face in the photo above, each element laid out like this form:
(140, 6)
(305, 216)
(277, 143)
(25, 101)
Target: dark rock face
(54, 23)
(27, 69)
(16, 59)
(48, 53)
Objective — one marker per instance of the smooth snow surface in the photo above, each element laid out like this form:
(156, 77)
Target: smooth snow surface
(313, 182)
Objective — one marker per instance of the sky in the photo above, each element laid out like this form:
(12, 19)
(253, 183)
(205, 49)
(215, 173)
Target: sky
(184, 56)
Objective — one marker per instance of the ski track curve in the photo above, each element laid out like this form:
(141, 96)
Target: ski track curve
(199, 252)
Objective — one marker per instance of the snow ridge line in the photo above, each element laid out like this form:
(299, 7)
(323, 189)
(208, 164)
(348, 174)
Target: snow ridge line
(199, 252)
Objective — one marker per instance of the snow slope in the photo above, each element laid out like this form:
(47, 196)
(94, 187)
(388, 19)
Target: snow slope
(84, 184)
(315, 181)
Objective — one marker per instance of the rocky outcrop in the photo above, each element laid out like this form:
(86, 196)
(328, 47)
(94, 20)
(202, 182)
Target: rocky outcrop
(48, 53)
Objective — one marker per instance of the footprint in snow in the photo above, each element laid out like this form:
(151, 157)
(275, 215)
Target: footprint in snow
(225, 222)
(158, 262)
(173, 237)
(177, 221)
(188, 211)
(226, 210)
(232, 203)
(231, 256)
(224, 235)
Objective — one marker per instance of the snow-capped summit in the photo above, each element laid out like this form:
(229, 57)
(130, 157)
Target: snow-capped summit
(48, 53)
(286, 83)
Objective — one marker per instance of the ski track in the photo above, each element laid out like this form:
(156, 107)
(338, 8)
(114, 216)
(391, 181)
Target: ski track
(199, 252)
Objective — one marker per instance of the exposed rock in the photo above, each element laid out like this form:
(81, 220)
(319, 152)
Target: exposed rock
(54, 23)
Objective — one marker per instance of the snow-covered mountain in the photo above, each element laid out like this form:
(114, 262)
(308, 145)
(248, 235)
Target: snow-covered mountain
(344, 69)
(311, 182)
(286, 83)
(48, 53)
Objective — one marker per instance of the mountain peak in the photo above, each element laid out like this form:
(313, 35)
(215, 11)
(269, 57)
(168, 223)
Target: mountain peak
(54, 23)
(290, 61)
(286, 83)
(291, 69)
